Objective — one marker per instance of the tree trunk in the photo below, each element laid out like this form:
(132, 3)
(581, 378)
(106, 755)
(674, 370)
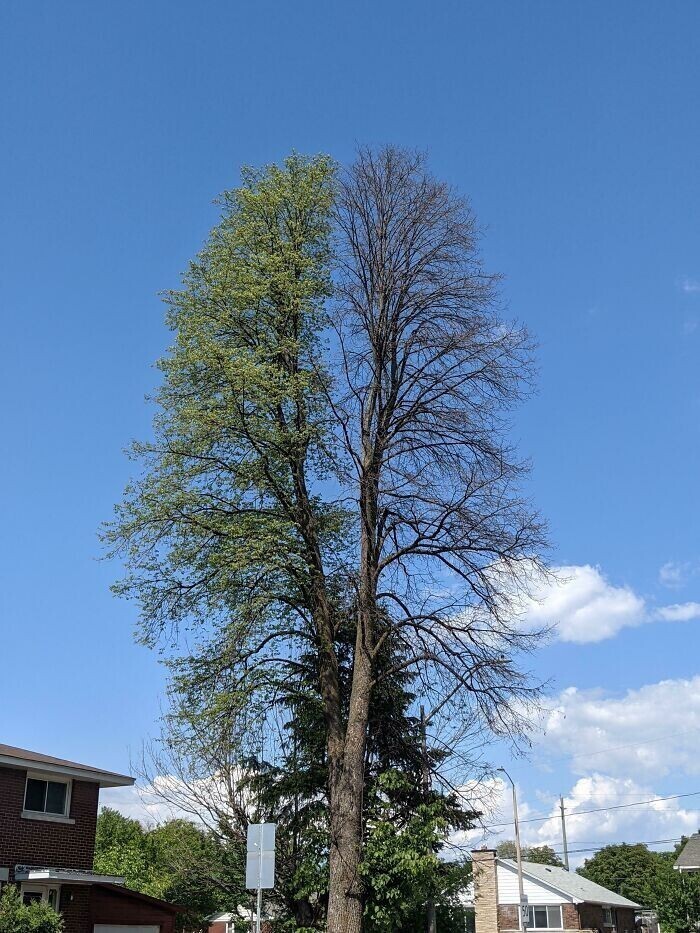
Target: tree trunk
(345, 902)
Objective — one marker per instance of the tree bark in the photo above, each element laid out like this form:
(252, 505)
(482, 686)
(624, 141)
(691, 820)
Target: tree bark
(345, 902)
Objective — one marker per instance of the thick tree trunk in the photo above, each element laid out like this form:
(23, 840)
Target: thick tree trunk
(345, 903)
(344, 893)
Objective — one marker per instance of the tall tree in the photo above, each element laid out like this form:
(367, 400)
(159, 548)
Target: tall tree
(426, 371)
(296, 482)
(218, 782)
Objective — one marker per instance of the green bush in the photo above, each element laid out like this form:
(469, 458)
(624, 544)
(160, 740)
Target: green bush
(18, 917)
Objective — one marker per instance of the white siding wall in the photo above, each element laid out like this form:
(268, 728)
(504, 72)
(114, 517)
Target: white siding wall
(535, 893)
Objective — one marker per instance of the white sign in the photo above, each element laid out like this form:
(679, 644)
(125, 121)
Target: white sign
(260, 857)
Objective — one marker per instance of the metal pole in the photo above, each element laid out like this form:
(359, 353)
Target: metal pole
(563, 833)
(518, 853)
(259, 907)
(431, 923)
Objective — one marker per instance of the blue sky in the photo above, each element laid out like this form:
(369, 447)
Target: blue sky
(574, 129)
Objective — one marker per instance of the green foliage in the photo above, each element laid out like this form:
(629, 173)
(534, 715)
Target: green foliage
(649, 879)
(167, 862)
(17, 917)
(544, 855)
(400, 867)
(674, 896)
(629, 870)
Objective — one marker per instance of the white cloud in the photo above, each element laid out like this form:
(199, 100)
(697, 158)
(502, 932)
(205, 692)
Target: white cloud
(676, 574)
(673, 573)
(653, 730)
(690, 286)
(138, 803)
(585, 607)
(679, 612)
(493, 798)
(615, 820)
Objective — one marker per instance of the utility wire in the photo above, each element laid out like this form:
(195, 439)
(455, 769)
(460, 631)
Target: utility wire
(619, 806)
(614, 748)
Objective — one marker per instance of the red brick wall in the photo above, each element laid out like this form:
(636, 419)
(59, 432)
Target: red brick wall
(42, 842)
(108, 906)
(508, 917)
(625, 919)
(592, 918)
(583, 916)
(75, 907)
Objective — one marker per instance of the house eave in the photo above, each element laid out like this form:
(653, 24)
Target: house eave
(41, 874)
(103, 778)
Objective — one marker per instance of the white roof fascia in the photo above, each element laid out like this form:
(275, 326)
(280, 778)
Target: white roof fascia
(103, 778)
(27, 873)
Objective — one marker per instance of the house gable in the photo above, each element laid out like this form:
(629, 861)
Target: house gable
(535, 890)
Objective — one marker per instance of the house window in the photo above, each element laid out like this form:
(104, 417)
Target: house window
(608, 917)
(46, 796)
(544, 917)
(40, 894)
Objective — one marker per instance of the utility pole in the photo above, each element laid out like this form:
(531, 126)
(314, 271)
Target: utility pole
(518, 854)
(563, 833)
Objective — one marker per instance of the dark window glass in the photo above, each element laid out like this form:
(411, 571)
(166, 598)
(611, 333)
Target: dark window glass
(35, 796)
(544, 918)
(56, 797)
(31, 897)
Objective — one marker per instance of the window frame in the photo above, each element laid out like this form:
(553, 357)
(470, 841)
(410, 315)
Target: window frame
(44, 891)
(47, 814)
(547, 907)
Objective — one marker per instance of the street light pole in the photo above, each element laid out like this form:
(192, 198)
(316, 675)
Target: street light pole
(518, 853)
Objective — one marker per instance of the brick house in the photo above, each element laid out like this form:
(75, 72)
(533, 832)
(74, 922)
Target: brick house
(556, 899)
(48, 816)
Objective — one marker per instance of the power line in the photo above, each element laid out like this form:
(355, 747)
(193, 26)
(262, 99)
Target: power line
(614, 748)
(596, 847)
(619, 806)
(557, 850)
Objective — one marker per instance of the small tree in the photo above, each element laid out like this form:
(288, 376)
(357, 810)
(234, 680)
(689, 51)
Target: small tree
(18, 917)
(544, 855)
